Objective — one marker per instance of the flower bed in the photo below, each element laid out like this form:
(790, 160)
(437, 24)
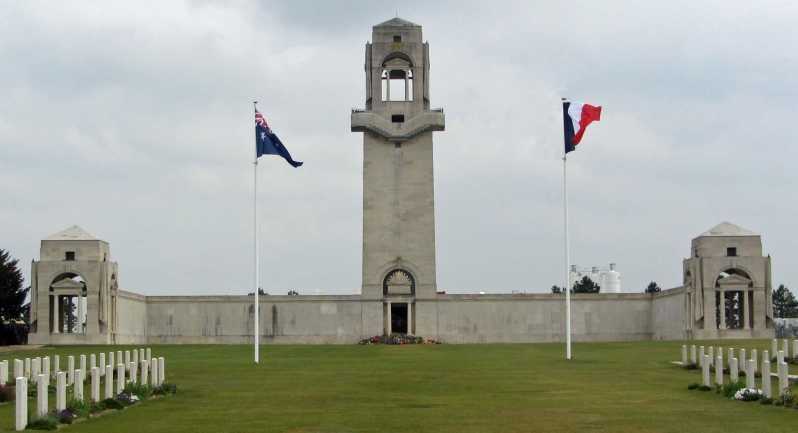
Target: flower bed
(397, 339)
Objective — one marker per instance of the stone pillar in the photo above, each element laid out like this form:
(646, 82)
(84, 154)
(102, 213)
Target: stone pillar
(746, 313)
(719, 370)
(56, 317)
(766, 378)
(144, 371)
(60, 391)
(102, 364)
(701, 355)
(734, 376)
(684, 354)
(154, 372)
(71, 369)
(410, 318)
(109, 381)
(722, 307)
(79, 299)
(21, 404)
(161, 370)
(120, 378)
(784, 383)
(705, 370)
(19, 369)
(3, 373)
(41, 395)
(693, 359)
(390, 320)
(77, 388)
(46, 367)
(95, 384)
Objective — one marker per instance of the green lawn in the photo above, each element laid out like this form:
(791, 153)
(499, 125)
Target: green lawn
(609, 387)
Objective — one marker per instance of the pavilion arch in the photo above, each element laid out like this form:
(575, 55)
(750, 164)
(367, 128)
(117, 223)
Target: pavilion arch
(68, 294)
(734, 299)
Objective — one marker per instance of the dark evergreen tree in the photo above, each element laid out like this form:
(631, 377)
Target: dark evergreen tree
(12, 294)
(784, 303)
(585, 285)
(556, 290)
(653, 287)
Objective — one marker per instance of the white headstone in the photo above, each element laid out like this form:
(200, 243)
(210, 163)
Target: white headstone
(144, 372)
(684, 354)
(750, 376)
(19, 368)
(71, 369)
(786, 344)
(154, 372)
(77, 388)
(780, 356)
(693, 359)
(83, 363)
(719, 370)
(133, 370)
(784, 382)
(120, 378)
(701, 355)
(754, 360)
(111, 359)
(774, 347)
(95, 384)
(795, 348)
(92, 361)
(135, 357)
(148, 351)
(56, 364)
(733, 374)
(127, 358)
(142, 355)
(3, 372)
(766, 378)
(35, 368)
(109, 381)
(102, 364)
(46, 367)
(741, 360)
(705, 370)
(21, 403)
(711, 353)
(731, 355)
(41, 395)
(162, 370)
(60, 391)
(27, 368)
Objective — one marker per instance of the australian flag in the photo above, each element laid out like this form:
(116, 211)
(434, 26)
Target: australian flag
(267, 143)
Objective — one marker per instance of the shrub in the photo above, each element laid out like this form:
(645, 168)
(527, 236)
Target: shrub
(78, 407)
(127, 399)
(165, 388)
(785, 400)
(693, 386)
(142, 391)
(690, 366)
(766, 400)
(47, 422)
(110, 403)
(704, 388)
(6, 393)
(66, 416)
(729, 389)
(748, 394)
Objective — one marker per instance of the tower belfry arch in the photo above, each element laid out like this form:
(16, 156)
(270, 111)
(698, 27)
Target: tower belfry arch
(398, 181)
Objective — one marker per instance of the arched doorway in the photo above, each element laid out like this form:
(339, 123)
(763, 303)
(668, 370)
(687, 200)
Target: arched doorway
(67, 300)
(734, 300)
(399, 290)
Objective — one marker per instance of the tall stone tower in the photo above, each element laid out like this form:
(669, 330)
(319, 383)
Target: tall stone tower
(398, 184)
(74, 288)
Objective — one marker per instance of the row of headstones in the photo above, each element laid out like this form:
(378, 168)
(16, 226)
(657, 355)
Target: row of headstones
(152, 372)
(707, 360)
(30, 368)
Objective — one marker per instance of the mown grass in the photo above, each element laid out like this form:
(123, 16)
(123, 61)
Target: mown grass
(608, 387)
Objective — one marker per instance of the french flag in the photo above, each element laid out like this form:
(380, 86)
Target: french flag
(576, 116)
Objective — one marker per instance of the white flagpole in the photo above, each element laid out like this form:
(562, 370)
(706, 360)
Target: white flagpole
(567, 286)
(257, 251)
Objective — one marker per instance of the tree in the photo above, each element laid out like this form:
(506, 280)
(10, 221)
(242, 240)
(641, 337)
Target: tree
(556, 290)
(293, 292)
(585, 285)
(653, 287)
(12, 294)
(784, 303)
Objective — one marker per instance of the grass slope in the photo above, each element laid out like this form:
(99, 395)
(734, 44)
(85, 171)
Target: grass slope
(609, 387)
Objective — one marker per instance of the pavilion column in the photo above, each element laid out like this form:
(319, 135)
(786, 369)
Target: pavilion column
(56, 315)
(745, 310)
(80, 313)
(722, 306)
(409, 318)
(390, 320)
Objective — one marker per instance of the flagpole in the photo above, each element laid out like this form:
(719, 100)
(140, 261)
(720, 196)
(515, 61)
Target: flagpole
(567, 287)
(257, 251)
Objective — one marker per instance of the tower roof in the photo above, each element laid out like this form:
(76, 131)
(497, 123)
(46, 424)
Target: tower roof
(72, 233)
(727, 229)
(397, 22)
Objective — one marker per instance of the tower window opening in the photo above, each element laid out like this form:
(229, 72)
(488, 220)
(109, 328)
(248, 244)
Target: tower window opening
(69, 256)
(731, 252)
(398, 118)
(397, 85)
(397, 38)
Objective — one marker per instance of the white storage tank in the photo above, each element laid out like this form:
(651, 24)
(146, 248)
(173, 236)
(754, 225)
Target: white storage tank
(612, 281)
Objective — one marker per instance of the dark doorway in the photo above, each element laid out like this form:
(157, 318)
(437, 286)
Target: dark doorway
(399, 318)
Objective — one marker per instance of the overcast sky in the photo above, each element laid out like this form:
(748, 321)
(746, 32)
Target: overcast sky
(134, 121)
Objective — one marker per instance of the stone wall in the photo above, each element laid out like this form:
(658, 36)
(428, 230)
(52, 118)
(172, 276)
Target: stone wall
(668, 315)
(131, 318)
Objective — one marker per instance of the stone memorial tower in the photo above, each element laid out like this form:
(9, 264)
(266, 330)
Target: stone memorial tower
(398, 184)
(73, 290)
